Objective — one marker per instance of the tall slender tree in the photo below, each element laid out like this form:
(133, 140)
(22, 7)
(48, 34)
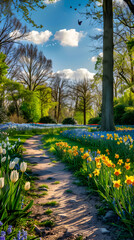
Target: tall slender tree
(107, 83)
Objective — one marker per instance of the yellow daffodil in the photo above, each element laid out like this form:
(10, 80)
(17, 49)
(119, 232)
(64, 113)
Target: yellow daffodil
(117, 172)
(96, 172)
(117, 184)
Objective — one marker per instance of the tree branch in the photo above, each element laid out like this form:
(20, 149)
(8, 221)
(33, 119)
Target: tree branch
(130, 5)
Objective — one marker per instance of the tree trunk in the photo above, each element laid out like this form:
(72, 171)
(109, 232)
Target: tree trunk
(59, 105)
(84, 111)
(107, 123)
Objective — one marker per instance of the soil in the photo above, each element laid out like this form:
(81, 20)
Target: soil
(76, 214)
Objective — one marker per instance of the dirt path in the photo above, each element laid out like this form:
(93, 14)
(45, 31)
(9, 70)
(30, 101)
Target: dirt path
(76, 213)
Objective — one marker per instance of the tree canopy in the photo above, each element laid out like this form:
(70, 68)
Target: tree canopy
(9, 7)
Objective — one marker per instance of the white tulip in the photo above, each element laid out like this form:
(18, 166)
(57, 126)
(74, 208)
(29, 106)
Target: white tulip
(8, 157)
(16, 160)
(1, 150)
(4, 151)
(12, 165)
(1, 182)
(14, 176)
(7, 139)
(4, 145)
(23, 166)
(27, 186)
(3, 159)
(18, 139)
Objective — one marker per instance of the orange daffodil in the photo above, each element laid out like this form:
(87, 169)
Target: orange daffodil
(127, 166)
(129, 180)
(85, 155)
(117, 184)
(117, 172)
(100, 159)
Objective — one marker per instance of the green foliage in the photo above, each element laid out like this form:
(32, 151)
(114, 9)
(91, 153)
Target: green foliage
(69, 121)
(30, 108)
(48, 211)
(128, 116)
(119, 110)
(95, 120)
(51, 203)
(3, 66)
(24, 8)
(44, 94)
(47, 223)
(47, 119)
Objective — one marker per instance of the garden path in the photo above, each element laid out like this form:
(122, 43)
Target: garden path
(76, 213)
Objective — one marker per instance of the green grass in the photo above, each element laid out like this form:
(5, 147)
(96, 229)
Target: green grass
(47, 223)
(36, 195)
(51, 203)
(43, 185)
(79, 237)
(49, 141)
(68, 191)
(49, 178)
(54, 161)
(48, 211)
(56, 182)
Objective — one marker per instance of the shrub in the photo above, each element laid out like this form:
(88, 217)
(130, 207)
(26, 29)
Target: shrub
(69, 121)
(14, 118)
(128, 116)
(47, 119)
(119, 110)
(95, 120)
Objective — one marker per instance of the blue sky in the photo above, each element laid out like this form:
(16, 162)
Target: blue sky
(62, 39)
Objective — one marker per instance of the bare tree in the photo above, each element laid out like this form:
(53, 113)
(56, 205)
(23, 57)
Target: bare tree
(82, 91)
(35, 69)
(11, 30)
(59, 94)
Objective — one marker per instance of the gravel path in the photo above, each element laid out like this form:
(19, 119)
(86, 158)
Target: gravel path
(76, 213)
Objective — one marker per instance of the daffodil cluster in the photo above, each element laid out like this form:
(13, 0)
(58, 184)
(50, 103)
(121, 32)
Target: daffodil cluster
(113, 179)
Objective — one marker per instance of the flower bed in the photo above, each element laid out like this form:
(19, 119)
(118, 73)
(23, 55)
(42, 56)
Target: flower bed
(114, 181)
(12, 188)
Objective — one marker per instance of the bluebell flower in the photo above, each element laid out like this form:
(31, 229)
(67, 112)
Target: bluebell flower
(3, 233)
(2, 238)
(9, 230)
(1, 223)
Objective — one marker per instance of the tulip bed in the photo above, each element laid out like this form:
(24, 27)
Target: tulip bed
(13, 188)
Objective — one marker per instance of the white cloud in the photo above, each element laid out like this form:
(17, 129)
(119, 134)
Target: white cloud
(79, 74)
(101, 54)
(94, 58)
(68, 37)
(99, 29)
(33, 36)
(50, 2)
(99, 3)
(38, 37)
